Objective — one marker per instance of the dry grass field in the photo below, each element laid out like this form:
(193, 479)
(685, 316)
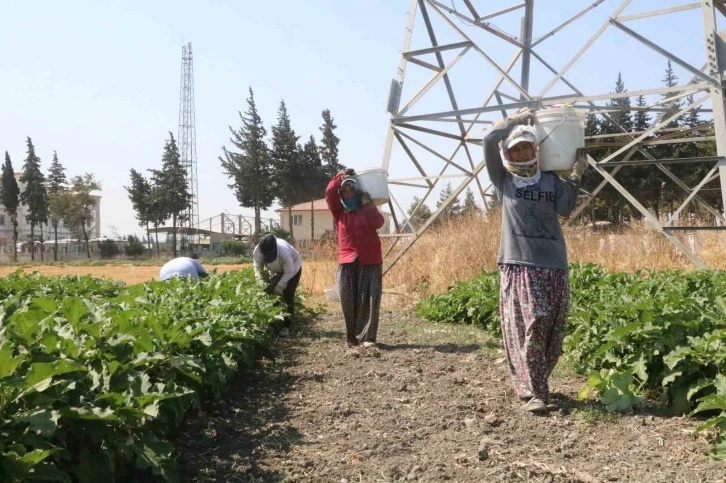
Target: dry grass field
(460, 250)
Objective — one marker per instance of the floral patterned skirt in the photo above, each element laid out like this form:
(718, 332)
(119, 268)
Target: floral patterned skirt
(534, 304)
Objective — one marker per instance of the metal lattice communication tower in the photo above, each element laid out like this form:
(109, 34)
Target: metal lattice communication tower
(187, 136)
(417, 134)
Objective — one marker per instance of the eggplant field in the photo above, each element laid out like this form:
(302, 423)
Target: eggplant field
(660, 334)
(95, 375)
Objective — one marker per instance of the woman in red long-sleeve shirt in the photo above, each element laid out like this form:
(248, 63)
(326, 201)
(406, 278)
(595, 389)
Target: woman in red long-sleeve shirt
(360, 260)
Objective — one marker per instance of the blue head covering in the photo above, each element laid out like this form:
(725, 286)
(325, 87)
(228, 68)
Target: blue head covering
(353, 203)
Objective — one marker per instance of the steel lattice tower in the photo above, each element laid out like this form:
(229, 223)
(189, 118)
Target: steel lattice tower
(441, 140)
(187, 135)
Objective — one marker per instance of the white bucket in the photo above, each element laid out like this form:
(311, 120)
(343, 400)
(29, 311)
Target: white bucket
(331, 294)
(375, 182)
(560, 132)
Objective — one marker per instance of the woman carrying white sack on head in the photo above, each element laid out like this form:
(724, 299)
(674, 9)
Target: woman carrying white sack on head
(534, 298)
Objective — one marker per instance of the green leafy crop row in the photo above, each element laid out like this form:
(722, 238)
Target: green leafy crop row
(94, 375)
(628, 331)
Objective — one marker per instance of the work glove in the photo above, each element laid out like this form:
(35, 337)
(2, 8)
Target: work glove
(524, 116)
(579, 168)
(278, 290)
(581, 164)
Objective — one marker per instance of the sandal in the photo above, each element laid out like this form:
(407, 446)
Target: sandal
(535, 405)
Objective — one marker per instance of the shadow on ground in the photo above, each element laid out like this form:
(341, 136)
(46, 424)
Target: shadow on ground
(223, 443)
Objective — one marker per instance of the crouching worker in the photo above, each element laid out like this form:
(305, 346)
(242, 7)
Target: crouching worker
(182, 267)
(278, 265)
(534, 298)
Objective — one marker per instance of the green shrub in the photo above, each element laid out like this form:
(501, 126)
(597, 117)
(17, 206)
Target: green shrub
(234, 248)
(108, 249)
(134, 247)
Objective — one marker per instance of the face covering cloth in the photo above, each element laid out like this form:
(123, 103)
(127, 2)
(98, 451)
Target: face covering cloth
(351, 204)
(524, 174)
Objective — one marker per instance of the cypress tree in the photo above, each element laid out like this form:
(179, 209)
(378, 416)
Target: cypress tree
(250, 169)
(34, 196)
(57, 184)
(10, 198)
(287, 162)
(329, 146)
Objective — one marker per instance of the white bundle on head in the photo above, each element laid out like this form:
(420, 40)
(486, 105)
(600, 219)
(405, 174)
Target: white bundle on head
(520, 134)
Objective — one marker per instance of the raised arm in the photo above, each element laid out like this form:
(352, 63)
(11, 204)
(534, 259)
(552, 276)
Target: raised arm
(499, 132)
(332, 198)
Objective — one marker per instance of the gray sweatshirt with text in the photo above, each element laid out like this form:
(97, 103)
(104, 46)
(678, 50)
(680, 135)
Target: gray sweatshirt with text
(531, 232)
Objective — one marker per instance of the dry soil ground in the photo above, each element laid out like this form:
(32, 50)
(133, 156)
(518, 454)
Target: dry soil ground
(433, 403)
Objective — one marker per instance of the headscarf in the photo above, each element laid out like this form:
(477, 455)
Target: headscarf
(353, 203)
(268, 248)
(526, 173)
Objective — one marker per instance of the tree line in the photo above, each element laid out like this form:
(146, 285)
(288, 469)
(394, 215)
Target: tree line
(417, 217)
(48, 199)
(281, 169)
(647, 183)
(261, 171)
(165, 194)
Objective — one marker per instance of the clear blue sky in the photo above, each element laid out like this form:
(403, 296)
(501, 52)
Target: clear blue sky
(99, 81)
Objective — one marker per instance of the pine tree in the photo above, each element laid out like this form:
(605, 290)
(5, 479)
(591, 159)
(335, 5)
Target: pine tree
(618, 120)
(57, 184)
(315, 178)
(670, 80)
(621, 118)
(158, 210)
(417, 217)
(643, 181)
(592, 125)
(10, 199)
(81, 206)
(453, 209)
(140, 195)
(250, 169)
(329, 146)
(34, 196)
(642, 119)
(469, 203)
(693, 118)
(174, 187)
(492, 202)
(287, 162)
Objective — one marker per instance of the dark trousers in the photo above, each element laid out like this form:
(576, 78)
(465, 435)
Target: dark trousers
(288, 295)
(360, 288)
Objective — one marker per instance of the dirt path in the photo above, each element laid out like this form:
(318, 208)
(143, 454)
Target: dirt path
(433, 404)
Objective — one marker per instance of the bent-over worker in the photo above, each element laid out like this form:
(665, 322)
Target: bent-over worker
(279, 265)
(182, 267)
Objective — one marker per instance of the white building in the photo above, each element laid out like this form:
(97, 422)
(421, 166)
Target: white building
(304, 213)
(6, 226)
